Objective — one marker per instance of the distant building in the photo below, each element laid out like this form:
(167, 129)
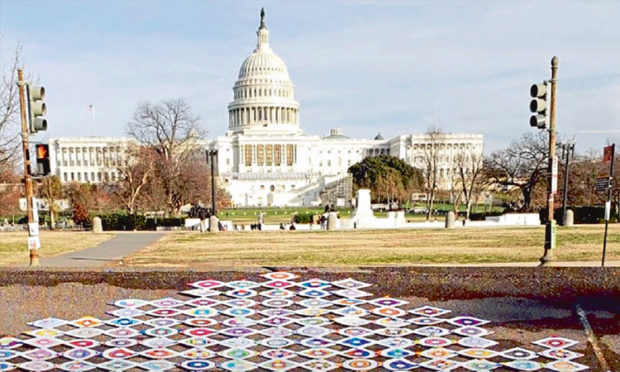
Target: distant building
(87, 159)
(265, 158)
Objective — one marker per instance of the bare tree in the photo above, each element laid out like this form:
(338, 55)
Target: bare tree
(171, 130)
(51, 190)
(10, 192)
(470, 175)
(135, 172)
(9, 108)
(522, 165)
(430, 173)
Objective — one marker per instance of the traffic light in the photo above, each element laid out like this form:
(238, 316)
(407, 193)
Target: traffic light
(539, 105)
(36, 108)
(43, 160)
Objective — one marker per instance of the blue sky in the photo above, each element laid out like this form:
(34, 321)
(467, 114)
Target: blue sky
(363, 66)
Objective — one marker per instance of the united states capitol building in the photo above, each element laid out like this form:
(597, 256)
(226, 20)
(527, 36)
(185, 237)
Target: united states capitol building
(265, 158)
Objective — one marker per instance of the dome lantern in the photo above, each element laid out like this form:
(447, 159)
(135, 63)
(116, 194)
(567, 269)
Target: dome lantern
(264, 95)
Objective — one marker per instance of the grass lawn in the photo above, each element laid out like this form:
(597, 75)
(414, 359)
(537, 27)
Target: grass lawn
(274, 216)
(14, 250)
(375, 247)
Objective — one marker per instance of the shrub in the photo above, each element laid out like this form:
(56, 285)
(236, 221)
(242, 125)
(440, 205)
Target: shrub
(121, 221)
(582, 214)
(302, 218)
(481, 216)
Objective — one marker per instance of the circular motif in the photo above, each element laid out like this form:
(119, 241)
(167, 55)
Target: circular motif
(159, 353)
(276, 342)
(277, 302)
(360, 364)
(198, 332)
(278, 354)
(82, 343)
(122, 332)
(435, 341)
(203, 312)
(8, 354)
(38, 365)
(238, 322)
(197, 365)
(161, 332)
(202, 302)
(399, 365)
(79, 353)
(199, 322)
(318, 353)
(199, 342)
(237, 353)
(123, 322)
(118, 353)
(359, 353)
(198, 354)
(239, 312)
(157, 365)
(121, 342)
(162, 322)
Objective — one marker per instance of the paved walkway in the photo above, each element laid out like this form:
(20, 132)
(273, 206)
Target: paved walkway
(108, 252)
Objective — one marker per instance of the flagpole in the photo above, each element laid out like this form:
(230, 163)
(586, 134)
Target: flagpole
(92, 109)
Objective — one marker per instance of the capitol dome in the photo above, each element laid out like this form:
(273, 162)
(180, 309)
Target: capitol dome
(264, 63)
(264, 93)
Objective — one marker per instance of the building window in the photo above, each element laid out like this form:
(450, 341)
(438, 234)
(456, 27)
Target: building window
(269, 154)
(289, 155)
(260, 154)
(248, 155)
(277, 155)
(65, 177)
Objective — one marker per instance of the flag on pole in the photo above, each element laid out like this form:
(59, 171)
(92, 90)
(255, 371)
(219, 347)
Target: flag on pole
(607, 152)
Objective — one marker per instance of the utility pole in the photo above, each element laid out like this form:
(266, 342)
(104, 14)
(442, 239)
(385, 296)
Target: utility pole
(612, 149)
(568, 150)
(550, 227)
(34, 256)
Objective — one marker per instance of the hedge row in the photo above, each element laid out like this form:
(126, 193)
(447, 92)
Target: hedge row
(120, 221)
(583, 214)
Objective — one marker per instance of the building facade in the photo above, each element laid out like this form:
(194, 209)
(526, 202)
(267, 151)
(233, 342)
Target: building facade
(264, 157)
(88, 159)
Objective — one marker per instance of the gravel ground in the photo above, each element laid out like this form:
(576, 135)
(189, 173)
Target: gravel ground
(523, 304)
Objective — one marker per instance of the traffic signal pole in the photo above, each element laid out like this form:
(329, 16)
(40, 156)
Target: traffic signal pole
(34, 257)
(550, 227)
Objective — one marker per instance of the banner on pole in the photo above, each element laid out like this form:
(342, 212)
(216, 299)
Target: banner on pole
(33, 229)
(34, 242)
(607, 153)
(554, 176)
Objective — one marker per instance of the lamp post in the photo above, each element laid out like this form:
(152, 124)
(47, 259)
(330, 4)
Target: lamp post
(211, 156)
(568, 150)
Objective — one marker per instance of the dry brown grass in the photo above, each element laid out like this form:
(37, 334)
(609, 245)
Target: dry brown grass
(14, 249)
(375, 247)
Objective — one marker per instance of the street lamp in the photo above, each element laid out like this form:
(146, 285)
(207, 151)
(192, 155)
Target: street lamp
(211, 155)
(568, 150)
(213, 223)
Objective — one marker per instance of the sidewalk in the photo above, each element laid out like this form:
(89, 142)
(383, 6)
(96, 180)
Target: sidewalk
(526, 264)
(108, 252)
